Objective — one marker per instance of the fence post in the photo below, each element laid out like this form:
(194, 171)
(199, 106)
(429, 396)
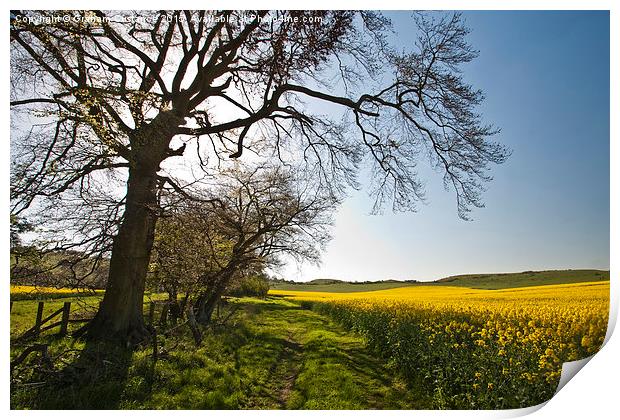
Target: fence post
(11, 307)
(64, 323)
(163, 320)
(151, 313)
(37, 323)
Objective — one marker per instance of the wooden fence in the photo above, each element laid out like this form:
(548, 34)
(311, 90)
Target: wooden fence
(65, 319)
(64, 313)
(39, 323)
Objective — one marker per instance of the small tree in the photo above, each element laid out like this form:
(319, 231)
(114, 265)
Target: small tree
(183, 254)
(258, 215)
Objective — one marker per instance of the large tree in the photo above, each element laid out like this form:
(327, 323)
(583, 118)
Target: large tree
(94, 92)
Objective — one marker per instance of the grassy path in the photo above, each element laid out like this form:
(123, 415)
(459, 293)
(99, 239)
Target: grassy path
(271, 354)
(320, 365)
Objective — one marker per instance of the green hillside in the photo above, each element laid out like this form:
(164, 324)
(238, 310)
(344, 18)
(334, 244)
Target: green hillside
(477, 281)
(525, 279)
(339, 286)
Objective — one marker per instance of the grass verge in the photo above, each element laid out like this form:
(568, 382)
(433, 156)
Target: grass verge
(270, 354)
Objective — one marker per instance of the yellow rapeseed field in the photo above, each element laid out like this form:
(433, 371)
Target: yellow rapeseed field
(40, 292)
(15, 289)
(476, 348)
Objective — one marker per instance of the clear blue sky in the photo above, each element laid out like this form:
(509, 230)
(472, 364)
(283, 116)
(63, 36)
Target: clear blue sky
(546, 80)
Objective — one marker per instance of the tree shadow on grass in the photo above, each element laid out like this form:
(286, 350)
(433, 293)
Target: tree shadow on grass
(93, 380)
(273, 356)
(322, 365)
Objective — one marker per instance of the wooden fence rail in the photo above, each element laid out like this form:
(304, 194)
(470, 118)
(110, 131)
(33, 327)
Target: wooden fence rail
(65, 312)
(64, 322)
(39, 323)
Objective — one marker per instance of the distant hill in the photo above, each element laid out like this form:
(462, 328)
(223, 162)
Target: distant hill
(476, 281)
(326, 281)
(524, 279)
(339, 286)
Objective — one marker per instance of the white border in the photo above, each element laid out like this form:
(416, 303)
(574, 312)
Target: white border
(593, 394)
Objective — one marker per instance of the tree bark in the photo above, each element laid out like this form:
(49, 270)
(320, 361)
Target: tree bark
(120, 314)
(193, 326)
(174, 305)
(208, 302)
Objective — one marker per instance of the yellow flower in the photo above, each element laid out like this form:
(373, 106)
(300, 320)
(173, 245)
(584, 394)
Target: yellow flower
(585, 341)
(540, 327)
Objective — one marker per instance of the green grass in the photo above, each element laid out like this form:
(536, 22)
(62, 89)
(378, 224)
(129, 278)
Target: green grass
(271, 354)
(477, 281)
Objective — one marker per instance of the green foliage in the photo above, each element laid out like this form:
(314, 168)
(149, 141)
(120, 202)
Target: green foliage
(182, 255)
(251, 285)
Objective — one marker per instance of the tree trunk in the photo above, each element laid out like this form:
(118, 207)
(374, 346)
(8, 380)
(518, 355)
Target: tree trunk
(120, 314)
(193, 326)
(208, 302)
(206, 309)
(173, 304)
(183, 305)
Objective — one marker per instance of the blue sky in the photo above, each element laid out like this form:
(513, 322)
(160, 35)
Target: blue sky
(546, 80)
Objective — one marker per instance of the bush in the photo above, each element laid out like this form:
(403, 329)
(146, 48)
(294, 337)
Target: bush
(257, 286)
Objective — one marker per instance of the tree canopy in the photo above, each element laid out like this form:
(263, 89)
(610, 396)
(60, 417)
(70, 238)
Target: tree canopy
(103, 97)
